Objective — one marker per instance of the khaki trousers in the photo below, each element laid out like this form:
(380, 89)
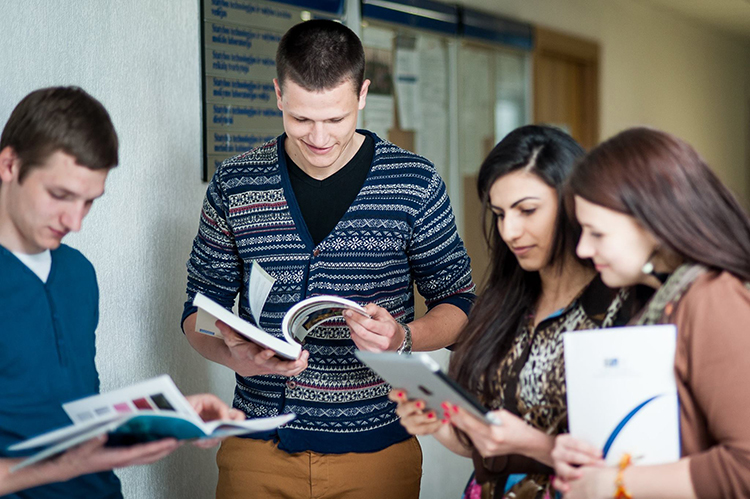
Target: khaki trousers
(250, 468)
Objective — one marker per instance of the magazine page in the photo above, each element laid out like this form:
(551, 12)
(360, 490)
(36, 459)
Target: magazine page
(158, 394)
(61, 434)
(311, 312)
(622, 394)
(61, 446)
(145, 427)
(223, 428)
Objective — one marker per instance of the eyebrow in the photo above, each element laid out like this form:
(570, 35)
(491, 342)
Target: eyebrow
(66, 192)
(516, 203)
(300, 117)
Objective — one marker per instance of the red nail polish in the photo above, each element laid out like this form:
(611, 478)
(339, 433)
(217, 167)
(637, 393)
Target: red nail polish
(455, 409)
(431, 415)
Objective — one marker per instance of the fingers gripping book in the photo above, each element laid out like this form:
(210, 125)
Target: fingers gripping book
(296, 325)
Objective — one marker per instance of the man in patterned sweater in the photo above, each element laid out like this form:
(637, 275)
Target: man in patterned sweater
(326, 209)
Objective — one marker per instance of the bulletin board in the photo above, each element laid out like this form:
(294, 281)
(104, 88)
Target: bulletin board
(447, 83)
(238, 53)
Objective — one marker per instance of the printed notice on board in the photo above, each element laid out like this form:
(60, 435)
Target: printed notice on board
(240, 38)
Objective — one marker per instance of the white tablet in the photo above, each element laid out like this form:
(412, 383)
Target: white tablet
(421, 377)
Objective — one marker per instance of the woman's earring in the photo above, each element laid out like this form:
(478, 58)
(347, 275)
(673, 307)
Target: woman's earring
(648, 267)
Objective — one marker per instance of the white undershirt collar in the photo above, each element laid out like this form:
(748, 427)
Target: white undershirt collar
(39, 263)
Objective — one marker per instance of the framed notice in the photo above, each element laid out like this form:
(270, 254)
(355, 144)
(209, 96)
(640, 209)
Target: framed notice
(238, 52)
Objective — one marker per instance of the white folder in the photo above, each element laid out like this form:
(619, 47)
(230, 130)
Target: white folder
(622, 395)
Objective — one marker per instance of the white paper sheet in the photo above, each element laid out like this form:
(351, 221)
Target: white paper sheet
(377, 38)
(378, 114)
(432, 136)
(406, 81)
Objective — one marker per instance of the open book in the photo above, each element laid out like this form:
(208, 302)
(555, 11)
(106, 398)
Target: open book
(296, 325)
(143, 412)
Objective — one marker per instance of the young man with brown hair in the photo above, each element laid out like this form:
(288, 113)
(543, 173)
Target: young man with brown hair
(327, 209)
(55, 153)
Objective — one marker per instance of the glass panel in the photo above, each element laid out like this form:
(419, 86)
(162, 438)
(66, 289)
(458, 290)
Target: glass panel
(493, 86)
(511, 88)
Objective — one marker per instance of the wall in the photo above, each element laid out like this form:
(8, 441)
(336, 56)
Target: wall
(141, 59)
(662, 70)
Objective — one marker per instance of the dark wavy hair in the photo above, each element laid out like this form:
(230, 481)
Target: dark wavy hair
(510, 292)
(667, 187)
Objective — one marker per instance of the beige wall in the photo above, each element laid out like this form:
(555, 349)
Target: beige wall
(660, 69)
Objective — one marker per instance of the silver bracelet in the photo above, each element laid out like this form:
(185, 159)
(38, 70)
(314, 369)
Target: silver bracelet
(406, 344)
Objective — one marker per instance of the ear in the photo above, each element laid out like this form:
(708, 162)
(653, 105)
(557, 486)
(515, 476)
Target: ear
(9, 164)
(277, 88)
(363, 94)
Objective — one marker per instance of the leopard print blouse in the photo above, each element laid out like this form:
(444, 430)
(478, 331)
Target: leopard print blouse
(531, 380)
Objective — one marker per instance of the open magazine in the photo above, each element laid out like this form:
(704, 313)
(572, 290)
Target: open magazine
(143, 412)
(296, 325)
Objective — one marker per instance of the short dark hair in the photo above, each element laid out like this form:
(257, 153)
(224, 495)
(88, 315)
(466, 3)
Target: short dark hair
(63, 119)
(320, 55)
(669, 189)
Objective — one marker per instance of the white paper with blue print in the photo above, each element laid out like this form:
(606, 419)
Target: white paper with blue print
(622, 395)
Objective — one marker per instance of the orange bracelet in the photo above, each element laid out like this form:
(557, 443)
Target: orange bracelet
(620, 491)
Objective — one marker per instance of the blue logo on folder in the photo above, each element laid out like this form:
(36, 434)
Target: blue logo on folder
(621, 425)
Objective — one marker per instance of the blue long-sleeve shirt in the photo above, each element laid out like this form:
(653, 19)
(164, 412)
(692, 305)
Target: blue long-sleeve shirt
(47, 354)
(399, 230)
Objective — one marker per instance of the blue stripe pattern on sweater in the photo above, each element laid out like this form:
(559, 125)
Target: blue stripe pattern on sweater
(399, 230)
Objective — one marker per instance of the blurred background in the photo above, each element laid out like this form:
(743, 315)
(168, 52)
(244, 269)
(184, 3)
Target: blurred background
(188, 84)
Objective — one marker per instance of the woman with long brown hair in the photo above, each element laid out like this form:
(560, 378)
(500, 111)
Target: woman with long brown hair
(510, 352)
(653, 213)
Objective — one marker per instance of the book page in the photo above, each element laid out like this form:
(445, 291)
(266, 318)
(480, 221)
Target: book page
(223, 428)
(286, 349)
(311, 312)
(158, 394)
(260, 286)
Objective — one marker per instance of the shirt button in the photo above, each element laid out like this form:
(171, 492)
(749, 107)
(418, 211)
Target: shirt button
(316, 252)
(291, 384)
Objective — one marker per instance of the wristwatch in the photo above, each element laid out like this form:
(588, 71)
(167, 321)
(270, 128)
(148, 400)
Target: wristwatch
(406, 344)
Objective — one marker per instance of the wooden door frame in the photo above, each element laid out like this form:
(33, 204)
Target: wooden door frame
(581, 51)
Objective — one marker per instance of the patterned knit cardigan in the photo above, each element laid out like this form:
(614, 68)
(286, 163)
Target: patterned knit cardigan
(399, 230)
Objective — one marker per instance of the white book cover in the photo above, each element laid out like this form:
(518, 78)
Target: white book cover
(297, 323)
(622, 394)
